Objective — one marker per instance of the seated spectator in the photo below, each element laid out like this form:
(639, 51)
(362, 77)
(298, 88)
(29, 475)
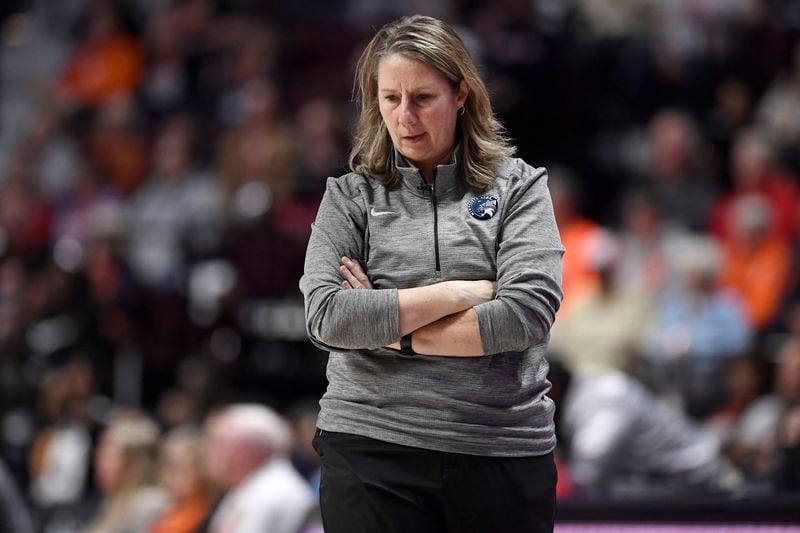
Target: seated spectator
(25, 218)
(606, 329)
(777, 109)
(676, 172)
(116, 145)
(177, 208)
(77, 212)
(247, 457)
(61, 451)
(769, 422)
(696, 327)
(619, 436)
(165, 86)
(107, 62)
(745, 380)
(125, 471)
(181, 476)
(787, 473)
(577, 231)
(756, 262)
(645, 262)
(754, 172)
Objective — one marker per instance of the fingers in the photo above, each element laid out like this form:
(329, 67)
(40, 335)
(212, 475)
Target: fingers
(349, 279)
(353, 275)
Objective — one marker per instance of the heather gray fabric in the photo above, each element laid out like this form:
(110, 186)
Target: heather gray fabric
(492, 405)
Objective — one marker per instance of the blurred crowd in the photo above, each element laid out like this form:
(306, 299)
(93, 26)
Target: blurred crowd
(162, 161)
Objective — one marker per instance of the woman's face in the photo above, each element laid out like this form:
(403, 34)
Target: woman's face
(111, 465)
(179, 472)
(420, 108)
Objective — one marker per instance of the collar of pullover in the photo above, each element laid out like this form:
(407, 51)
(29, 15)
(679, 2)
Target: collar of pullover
(445, 176)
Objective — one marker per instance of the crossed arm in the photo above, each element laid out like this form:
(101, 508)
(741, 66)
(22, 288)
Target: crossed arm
(440, 316)
(451, 318)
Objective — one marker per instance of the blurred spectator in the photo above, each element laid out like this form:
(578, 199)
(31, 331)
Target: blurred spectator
(744, 380)
(579, 278)
(125, 468)
(606, 329)
(61, 452)
(176, 408)
(116, 146)
(778, 110)
(754, 444)
(613, 19)
(248, 72)
(25, 217)
(176, 211)
(696, 327)
(107, 63)
(248, 448)
(756, 261)
(260, 150)
(116, 294)
(77, 214)
(181, 475)
(787, 473)
(754, 171)
(677, 173)
(321, 131)
(620, 438)
(166, 86)
(645, 261)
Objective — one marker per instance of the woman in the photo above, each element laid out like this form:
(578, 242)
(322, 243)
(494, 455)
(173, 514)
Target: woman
(435, 417)
(125, 470)
(181, 476)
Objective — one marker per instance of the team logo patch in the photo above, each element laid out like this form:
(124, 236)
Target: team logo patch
(483, 207)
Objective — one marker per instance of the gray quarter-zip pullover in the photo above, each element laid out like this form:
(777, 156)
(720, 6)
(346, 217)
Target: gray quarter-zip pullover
(415, 235)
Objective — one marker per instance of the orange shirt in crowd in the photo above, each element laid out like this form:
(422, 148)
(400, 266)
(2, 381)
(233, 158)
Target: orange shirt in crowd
(579, 277)
(183, 518)
(759, 274)
(101, 71)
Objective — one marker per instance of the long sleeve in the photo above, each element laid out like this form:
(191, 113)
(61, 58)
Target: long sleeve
(528, 269)
(337, 318)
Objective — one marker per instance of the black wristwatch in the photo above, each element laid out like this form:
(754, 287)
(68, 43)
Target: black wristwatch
(405, 345)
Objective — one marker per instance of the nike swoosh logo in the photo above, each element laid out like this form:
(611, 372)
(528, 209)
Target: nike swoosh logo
(381, 213)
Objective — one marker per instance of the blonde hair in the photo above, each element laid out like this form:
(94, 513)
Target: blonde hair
(431, 41)
(138, 436)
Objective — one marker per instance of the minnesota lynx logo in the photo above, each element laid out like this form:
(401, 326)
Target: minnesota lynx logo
(483, 207)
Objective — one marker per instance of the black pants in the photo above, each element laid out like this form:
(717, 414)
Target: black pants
(372, 486)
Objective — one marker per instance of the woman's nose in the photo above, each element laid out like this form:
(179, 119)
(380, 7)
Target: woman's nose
(408, 114)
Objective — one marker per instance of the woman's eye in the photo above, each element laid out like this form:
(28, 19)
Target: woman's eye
(390, 98)
(424, 97)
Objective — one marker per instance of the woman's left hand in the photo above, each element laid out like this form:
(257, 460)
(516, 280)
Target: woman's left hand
(354, 276)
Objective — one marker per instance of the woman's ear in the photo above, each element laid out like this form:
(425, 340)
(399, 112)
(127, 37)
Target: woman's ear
(463, 92)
